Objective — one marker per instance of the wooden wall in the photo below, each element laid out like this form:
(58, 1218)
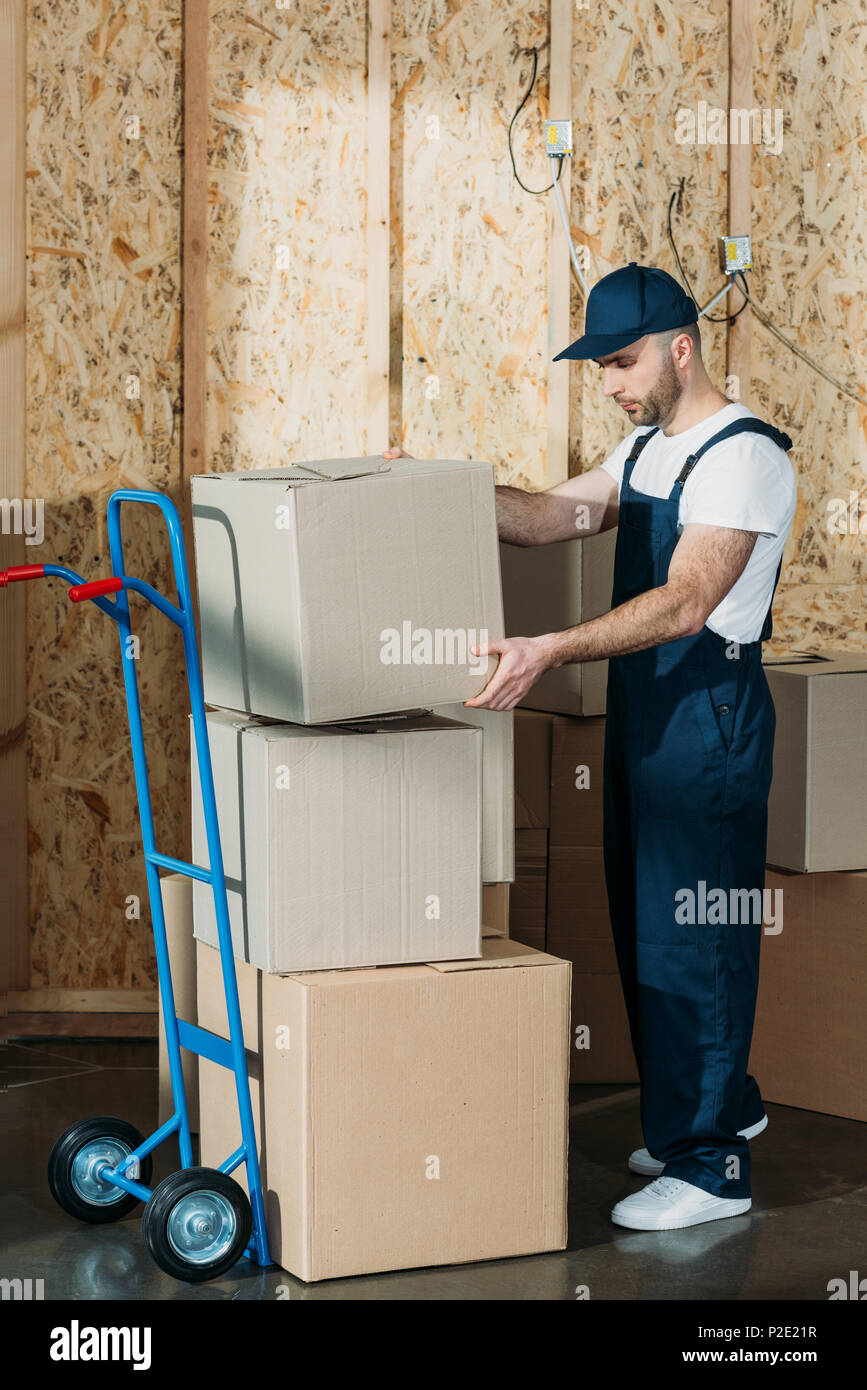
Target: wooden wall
(103, 307)
(297, 273)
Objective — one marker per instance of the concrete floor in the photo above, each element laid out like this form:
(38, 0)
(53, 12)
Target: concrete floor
(807, 1224)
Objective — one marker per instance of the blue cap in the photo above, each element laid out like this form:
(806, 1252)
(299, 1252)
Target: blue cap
(627, 304)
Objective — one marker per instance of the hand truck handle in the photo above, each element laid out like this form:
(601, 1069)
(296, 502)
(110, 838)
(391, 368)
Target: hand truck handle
(79, 592)
(8, 576)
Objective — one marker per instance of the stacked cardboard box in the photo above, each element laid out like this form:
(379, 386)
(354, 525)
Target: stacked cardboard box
(366, 821)
(810, 1044)
(558, 809)
(409, 1115)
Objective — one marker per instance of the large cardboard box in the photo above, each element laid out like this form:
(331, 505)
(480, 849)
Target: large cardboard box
(527, 902)
(406, 1116)
(177, 892)
(810, 1037)
(579, 928)
(346, 587)
(498, 780)
(548, 588)
(533, 734)
(817, 811)
(577, 751)
(344, 845)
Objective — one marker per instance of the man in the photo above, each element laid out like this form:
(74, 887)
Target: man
(703, 496)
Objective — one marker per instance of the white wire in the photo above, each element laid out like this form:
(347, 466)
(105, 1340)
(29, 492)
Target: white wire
(562, 207)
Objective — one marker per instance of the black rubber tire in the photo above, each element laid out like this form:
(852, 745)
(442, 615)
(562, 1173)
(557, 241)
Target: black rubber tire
(157, 1212)
(62, 1158)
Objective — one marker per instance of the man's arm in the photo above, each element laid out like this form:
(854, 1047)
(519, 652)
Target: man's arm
(706, 563)
(582, 506)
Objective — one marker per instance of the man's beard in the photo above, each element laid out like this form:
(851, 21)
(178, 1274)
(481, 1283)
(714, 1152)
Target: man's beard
(658, 405)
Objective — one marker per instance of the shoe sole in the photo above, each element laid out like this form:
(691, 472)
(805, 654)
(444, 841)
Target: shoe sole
(740, 1208)
(656, 1169)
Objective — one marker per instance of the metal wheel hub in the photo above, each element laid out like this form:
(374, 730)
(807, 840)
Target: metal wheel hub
(201, 1227)
(87, 1165)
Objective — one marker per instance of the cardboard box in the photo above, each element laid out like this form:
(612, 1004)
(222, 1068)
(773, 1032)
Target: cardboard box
(527, 903)
(533, 736)
(177, 892)
(810, 1040)
(495, 909)
(579, 929)
(498, 780)
(407, 1116)
(344, 845)
(548, 588)
(346, 587)
(817, 811)
(577, 753)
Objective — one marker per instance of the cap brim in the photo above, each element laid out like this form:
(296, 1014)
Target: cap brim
(597, 345)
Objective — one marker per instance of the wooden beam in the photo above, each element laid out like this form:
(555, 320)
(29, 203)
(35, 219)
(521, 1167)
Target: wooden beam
(13, 551)
(559, 260)
(194, 257)
(378, 233)
(91, 1001)
(739, 186)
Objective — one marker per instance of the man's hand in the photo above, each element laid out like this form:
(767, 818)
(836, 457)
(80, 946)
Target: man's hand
(395, 453)
(522, 661)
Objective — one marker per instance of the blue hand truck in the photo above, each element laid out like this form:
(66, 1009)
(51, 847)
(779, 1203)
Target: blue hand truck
(198, 1222)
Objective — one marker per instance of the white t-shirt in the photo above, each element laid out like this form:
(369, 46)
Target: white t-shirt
(746, 482)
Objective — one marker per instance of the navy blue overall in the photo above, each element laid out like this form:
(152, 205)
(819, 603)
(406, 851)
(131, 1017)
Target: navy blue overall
(688, 758)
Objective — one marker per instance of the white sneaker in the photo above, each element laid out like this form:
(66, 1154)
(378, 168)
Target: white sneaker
(670, 1203)
(640, 1161)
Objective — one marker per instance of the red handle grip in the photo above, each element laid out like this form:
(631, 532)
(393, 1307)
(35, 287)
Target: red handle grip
(20, 572)
(79, 592)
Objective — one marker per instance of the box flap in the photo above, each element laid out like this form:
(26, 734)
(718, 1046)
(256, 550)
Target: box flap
(498, 951)
(804, 663)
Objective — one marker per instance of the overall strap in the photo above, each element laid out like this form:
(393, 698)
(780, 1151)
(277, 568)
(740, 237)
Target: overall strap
(736, 427)
(635, 451)
(739, 427)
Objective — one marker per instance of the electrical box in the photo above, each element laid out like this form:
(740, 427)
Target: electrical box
(559, 137)
(735, 253)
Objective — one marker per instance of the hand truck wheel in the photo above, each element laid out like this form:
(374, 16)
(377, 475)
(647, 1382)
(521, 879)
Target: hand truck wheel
(197, 1224)
(75, 1160)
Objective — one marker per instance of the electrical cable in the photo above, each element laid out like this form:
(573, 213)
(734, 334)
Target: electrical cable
(711, 318)
(535, 191)
(799, 352)
(760, 314)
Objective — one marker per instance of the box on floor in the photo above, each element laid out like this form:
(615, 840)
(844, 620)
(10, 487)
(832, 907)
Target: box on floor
(579, 929)
(407, 1115)
(344, 845)
(346, 587)
(810, 1041)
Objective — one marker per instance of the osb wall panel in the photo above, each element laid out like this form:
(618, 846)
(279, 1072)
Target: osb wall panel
(634, 66)
(103, 302)
(473, 245)
(810, 280)
(287, 171)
